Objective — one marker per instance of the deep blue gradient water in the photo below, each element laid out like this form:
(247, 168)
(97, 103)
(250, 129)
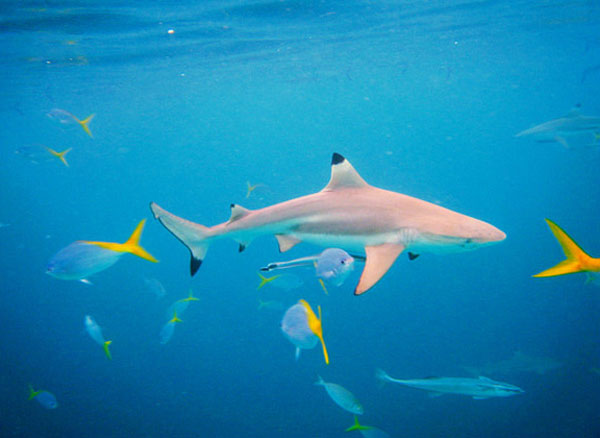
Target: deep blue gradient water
(423, 98)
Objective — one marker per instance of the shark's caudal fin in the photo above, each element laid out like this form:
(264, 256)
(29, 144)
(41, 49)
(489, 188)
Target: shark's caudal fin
(357, 426)
(192, 235)
(576, 258)
(106, 350)
(60, 155)
(132, 245)
(85, 124)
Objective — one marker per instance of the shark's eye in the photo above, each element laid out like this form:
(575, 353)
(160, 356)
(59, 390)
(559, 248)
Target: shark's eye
(343, 262)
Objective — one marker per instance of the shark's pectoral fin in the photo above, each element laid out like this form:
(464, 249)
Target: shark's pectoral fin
(562, 141)
(286, 242)
(379, 260)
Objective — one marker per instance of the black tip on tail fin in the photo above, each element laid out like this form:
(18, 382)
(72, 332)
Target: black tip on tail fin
(241, 248)
(336, 159)
(194, 265)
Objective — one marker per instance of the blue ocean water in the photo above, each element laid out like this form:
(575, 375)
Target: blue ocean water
(192, 101)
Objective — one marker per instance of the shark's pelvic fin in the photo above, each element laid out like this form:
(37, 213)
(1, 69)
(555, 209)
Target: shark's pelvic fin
(192, 235)
(343, 175)
(379, 260)
(577, 259)
(286, 242)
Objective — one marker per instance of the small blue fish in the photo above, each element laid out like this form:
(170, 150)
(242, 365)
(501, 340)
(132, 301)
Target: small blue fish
(166, 333)
(95, 332)
(342, 397)
(45, 398)
(66, 118)
(83, 258)
(155, 287)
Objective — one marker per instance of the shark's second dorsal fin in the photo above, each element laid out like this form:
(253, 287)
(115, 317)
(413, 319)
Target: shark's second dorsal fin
(237, 212)
(343, 175)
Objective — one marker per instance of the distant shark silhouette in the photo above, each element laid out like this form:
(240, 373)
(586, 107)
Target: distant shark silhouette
(348, 213)
(558, 130)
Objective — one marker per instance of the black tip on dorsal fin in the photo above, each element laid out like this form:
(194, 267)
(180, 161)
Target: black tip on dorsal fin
(231, 205)
(412, 256)
(336, 159)
(195, 265)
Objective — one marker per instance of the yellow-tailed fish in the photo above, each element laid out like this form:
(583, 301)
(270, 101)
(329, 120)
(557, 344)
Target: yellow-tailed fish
(282, 281)
(65, 117)
(44, 398)
(166, 333)
(95, 332)
(302, 328)
(576, 258)
(181, 305)
(83, 258)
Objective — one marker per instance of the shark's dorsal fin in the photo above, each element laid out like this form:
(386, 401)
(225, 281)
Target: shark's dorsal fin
(343, 175)
(286, 242)
(237, 212)
(379, 260)
(575, 111)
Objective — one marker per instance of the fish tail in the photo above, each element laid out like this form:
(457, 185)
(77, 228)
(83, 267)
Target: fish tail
(32, 393)
(320, 381)
(133, 244)
(357, 426)
(193, 236)
(576, 258)
(264, 280)
(85, 124)
(175, 318)
(106, 350)
(320, 334)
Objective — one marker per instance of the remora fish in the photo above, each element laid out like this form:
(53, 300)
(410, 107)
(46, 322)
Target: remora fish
(348, 213)
(479, 389)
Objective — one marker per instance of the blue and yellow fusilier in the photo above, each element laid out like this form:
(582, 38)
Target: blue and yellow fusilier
(168, 329)
(181, 305)
(302, 327)
(95, 332)
(83, 258)
(342, 397)
(367, 431)
(45, 398)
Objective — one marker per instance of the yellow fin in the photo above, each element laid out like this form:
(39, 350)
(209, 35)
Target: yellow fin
(84, 124)
(315, 326)
(132, 245)
(190, 297)
(357, 426)
(60, 155)
(576, 258)
(264, 280)
(175, 318)
(322, 283)
(32, 393)
(106, 350)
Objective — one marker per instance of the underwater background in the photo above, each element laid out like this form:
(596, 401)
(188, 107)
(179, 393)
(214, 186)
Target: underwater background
(192, 101)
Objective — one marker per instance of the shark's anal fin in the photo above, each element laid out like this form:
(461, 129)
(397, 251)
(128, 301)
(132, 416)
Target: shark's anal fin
(379, 260)
(286, 242)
